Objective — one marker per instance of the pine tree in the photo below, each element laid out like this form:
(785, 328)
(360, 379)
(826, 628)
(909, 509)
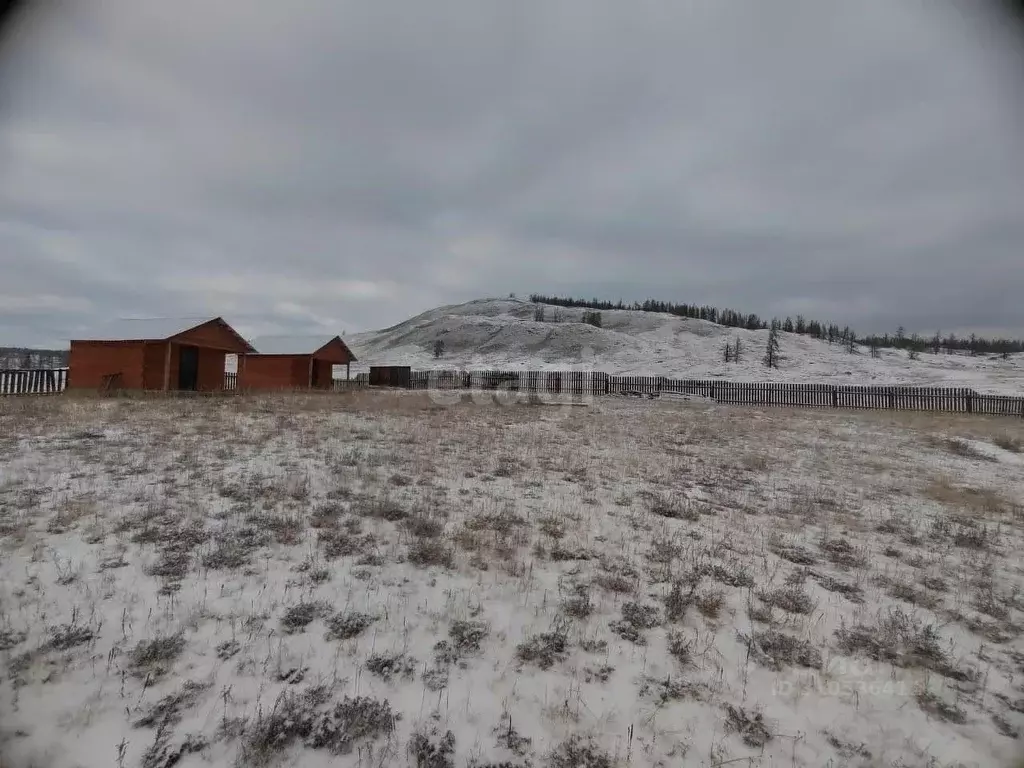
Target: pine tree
(736, 351)
(438, 348)
(851, 341)
(734, 319)
(727, 352)
(771, 353)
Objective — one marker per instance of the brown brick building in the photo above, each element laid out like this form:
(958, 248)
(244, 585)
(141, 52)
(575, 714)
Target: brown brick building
(155, 354)
(293, 362)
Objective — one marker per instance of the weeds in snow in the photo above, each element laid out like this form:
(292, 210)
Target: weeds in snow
(127, 562)
(155, 657)
(636, 617)
(297, 617)
(348, 624)
(391, 665)
(544, 649)
(902, 640)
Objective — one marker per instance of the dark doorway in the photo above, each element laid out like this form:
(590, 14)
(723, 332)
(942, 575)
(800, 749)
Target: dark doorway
(323, 372)
(188, 368)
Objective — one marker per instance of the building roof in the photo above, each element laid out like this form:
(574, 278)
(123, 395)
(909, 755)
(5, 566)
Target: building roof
(151, 329)
(292, 345)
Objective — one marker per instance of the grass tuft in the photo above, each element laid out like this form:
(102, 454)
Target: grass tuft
(777, 650)
(297, 617)
(751, 728)
(348, 624)
(902, 640)
(155, 658)
(792, 598)
(543, 649)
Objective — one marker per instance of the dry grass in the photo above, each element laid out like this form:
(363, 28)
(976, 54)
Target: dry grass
(1009, 443)
(385, 577)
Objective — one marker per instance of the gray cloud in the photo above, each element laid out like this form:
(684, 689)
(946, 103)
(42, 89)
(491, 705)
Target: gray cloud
(344, 165)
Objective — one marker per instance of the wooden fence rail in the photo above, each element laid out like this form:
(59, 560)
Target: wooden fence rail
(578, 383)
(52, 381)
(345, 385)
(338, 385)
(35, 381)
(772, 394)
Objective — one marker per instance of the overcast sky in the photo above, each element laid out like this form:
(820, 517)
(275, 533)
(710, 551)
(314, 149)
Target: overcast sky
(344, 164)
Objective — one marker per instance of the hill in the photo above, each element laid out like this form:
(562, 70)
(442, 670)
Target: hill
(504, 334)
(26, 357)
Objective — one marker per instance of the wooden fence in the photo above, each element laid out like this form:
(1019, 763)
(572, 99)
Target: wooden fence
(52, 381)
(897, 398)
(35, 381)
(339, 385)
(345, 385)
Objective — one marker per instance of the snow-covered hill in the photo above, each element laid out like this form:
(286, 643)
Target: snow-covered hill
(502, 333)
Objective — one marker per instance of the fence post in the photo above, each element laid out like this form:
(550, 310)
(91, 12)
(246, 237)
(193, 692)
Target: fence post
(970, 401)
(835, 396)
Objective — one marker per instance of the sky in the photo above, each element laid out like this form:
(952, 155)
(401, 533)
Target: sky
(342, 165)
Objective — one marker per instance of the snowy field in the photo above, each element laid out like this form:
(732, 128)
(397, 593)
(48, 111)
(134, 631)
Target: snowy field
(503, 334)
(380, 579)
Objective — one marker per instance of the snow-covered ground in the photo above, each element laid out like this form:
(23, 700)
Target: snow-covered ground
(348, 579)
(502, 334)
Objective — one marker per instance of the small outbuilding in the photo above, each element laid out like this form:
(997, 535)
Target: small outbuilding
(391, 376)
(155, 354)
(293, 362)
